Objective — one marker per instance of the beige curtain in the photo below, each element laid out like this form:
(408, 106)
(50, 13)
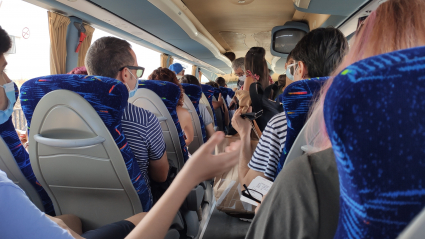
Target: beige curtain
(194, 69)
(170, 62)
(58, 26)
(163, 62)
(85, 45)
(200, 76)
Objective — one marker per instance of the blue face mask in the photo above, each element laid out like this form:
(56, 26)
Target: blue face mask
(288, 72)
(9, 89)
(131, 93)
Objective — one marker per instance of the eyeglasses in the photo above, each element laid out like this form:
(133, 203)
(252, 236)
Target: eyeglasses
(252, 194)
(139, 72)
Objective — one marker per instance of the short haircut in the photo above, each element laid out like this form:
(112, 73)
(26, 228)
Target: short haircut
(107, 56)
(239, 63)
(282, 78)
(213, 84)
(321, 50)
(220, 81)
(190, 79)
(5, 42)
(165, 74)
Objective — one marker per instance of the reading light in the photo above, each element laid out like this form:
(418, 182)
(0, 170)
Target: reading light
(241, 1)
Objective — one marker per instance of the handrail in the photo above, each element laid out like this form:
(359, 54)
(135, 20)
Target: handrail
(68, 143)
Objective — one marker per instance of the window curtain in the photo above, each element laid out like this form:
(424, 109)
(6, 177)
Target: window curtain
(200, 76)
(164, 58)
(170, 62)
(58, 26)
(194, 69)
(85, 45)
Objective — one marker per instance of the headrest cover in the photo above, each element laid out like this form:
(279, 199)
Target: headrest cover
(209, 93)
(170, 94)
(297, 99)
(108, 97)
(374, 114)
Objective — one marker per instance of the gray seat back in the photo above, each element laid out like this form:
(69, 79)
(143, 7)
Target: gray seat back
(415, 229)
(77, 161)
(301, 145)
(204, 101)
(197, 131)
(11, 168)
(149, 100)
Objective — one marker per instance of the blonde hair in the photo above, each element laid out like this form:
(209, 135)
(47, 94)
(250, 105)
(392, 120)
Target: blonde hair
(394, 25)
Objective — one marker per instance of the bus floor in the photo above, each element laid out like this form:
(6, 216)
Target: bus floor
(224, 226)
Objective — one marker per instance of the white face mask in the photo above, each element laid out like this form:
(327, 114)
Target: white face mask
(242, 78)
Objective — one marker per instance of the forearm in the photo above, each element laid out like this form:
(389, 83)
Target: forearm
(158, 220)
(244, 158)
(226, 115)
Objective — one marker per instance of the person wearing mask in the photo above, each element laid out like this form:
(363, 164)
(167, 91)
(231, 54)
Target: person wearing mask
(206, 117)
(7, 91)
(178, 69)
(17, 208)
(238, 67)
(164, 74)
(114, 58)
(312, 55)
(220, 109)
(304, 177)
(281, 81)
(256, 68)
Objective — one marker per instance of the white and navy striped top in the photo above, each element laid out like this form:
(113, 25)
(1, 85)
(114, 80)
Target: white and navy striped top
(144, 136)
(267, 154)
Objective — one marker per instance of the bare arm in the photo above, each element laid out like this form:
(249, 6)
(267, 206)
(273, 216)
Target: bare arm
(226, 115)
(210, 130)
(202, 166)
(186, 123)
(158, 169)
(247, 83)
(243, 126)
(3, 99)
(217, 104)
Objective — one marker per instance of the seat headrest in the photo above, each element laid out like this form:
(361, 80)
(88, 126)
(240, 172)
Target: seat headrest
(169, 94)
(374, 114)
(297, 99)
(11, 138)
(194, 93)
(209, 93)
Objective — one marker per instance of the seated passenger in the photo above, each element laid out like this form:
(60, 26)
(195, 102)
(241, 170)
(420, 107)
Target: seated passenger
(256, 68)
(304, 200)
(311, 57)
(281, 81)
(178, 69)
(81, 70)
(185, 119)
(8, 91)
(206, 117)
(220, 109)
(114, 58)
(16, 207)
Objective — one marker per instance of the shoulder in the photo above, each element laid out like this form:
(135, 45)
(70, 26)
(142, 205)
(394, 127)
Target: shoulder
(138, 115)
(182, 112)
(278, 118)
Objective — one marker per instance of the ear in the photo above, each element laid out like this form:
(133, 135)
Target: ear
(302, 70)
(125, 76)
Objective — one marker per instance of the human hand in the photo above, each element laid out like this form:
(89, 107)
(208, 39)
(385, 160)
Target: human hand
(220, 99)
(203, 165)
(243, 126)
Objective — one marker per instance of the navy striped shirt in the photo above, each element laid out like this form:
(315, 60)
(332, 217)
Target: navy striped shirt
(144, 136)
(267, 154)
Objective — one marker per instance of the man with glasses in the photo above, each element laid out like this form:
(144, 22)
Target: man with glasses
(114, 58)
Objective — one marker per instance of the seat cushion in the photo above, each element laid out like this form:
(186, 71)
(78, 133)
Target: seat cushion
(170, 94)
(194, 93)
(11, 138)
(374, 114)
(108, 97)
(209, 93)
(297, 99)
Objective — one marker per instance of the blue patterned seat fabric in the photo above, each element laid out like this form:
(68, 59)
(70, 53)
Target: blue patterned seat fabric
(224, 93)
(297, 99)
(169, 94)
(11, 138)
(374, 114)
(217, 92)
(209, 93)
(194, 93)
(108, 97)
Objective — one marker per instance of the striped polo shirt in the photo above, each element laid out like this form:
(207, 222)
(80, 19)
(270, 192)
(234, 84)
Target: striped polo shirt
(144, 136)
(267, 154)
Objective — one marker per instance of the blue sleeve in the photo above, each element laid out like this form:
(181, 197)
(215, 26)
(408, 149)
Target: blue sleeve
(155, 139)
(20, 218)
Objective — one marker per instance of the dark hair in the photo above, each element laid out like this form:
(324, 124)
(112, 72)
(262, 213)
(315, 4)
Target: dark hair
(282, 78)
(213, 84)
(220, 81)
(190, 79)
(321, 50)
(230, 55)
(5, 42)
(289, 57)
(107, 56)
(255, 62)
(165, 74)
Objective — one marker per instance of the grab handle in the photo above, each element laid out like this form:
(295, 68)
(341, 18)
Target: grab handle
(68, 143)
